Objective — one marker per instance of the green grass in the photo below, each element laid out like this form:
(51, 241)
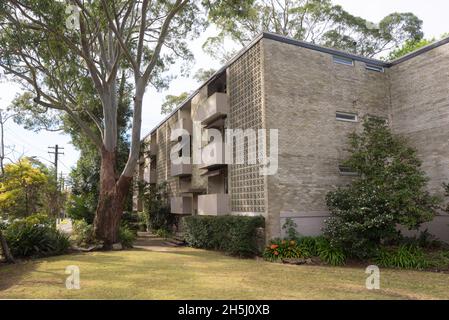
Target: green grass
(185, 273)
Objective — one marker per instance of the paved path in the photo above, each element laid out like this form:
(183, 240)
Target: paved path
(147, 241)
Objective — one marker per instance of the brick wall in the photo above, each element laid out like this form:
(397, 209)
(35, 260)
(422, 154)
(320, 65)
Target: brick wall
(420, 112)
(303, 91)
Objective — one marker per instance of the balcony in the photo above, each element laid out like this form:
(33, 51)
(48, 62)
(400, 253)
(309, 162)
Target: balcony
(153, 148)
(181, 205)
(214, 204)
(184, 124)
(213, 155)
(181, 170)
(215, 107)
(149, 175)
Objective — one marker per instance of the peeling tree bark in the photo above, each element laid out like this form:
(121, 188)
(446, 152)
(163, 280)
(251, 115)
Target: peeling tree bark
(5, 249)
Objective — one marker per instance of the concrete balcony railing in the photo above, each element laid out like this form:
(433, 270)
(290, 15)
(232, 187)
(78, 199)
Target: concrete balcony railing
(153, 148)
(213, 155)
(180, 170)
(181, 124)
(214, 204)
(216, 106)
(181, 205)
(150, 175)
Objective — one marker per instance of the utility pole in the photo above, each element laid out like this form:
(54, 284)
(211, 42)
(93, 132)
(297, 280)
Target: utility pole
(56, 153)
(62, 181)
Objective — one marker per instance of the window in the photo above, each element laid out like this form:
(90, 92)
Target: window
(343, 60)
(344, 116)
(372, 67)
(347, 171)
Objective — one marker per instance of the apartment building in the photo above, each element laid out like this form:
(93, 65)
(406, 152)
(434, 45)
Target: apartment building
(314, 97)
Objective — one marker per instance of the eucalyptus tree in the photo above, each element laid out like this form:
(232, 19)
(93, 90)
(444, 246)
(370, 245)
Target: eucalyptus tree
(316, 21)
(67, 54)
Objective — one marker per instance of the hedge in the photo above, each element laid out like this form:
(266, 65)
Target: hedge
(235, 235)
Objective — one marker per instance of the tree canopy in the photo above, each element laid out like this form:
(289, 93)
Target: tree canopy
(25, 188)
(316, 21)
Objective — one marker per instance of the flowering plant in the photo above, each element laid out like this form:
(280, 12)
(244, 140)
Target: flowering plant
(281, 249)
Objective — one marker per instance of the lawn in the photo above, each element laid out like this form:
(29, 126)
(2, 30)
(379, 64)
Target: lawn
(186, 273)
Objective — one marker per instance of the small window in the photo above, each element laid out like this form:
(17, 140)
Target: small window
(372, 67)
(347, 171)
(343, 60)
(344, 116)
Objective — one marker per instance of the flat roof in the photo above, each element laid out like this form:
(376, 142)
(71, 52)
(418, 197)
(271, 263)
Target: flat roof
(307, 45)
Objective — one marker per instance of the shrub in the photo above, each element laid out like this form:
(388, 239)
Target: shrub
(282, 249)
(27, 239)
(404, 257)
(130, 220)
(83, 234)
(80, 208)
(308, 247)
(163, 233)
(126, 237)
(39, 218)
(424, 240)
(157, 213)
(236, 235)
(330, 253)
(390, 190)
(438, 259)
(290, 229)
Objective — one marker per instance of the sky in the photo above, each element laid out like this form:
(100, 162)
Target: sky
(432, 12)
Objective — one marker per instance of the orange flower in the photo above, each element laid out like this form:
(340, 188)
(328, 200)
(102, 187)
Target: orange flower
(274, 246)
(293, 242)
(276, 253)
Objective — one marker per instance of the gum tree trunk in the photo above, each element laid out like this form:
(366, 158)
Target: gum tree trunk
(5, 249)
(113, 193)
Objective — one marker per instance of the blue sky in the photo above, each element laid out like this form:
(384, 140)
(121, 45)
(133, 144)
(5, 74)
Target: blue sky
(432, 12)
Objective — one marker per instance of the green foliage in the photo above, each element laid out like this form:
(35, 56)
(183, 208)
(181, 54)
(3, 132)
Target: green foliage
(408, 47)
(171, 102)
(308, 247)
(290, 229)
(236, 235)
(390, 190)
(305, 247)
(27, 239)
(404, 257)
(22, 189)
(282, 249)
(163, 233)
(438, 260)
(202, 75)
(126, 236)
(82, 234)
(78, 208)
(157, 213)
(130, 220)
(316, 21)
(330, 253)
(424, 240)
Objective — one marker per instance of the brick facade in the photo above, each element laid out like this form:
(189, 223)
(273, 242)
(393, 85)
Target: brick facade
(298, 88)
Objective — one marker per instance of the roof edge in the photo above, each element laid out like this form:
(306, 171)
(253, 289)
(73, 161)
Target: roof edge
(211, 78)
(419, 51)
(303, 44)
(315, 47)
